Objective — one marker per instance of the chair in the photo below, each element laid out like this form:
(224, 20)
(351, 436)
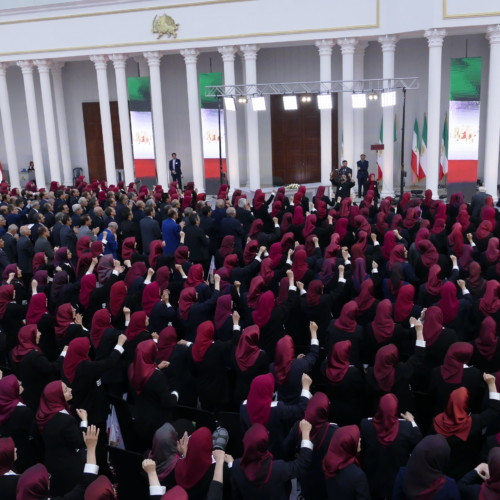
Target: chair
(126, 422)
(127, 465)
(231, 421)
(200, 418)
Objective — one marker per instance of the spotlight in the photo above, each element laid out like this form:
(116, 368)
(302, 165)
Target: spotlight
(229, 103)
(306, 98)
(290, 102)
(372, 96)
(388, 99)
(325, 101)
(258, 103)
(358, 101)
(242, 100)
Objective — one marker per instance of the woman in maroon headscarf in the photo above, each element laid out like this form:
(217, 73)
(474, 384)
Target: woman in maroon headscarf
(117, 296)
(427, 257)
(259, 474)
(429, 291)
(155, 251)
(343, 475)
(300, 268)
(387, 444)
(150, 296)
(226, 248)
(248, 361)
(484, 480)
(483, 234)
(345, 385)
(128, 248)
(464, 430)
(391, 375)
(489, 305)
(87, 285)
(138, 270)
(8, 478)
(259, 408)
(153, 399)
(39, 261)
(68, 324)
(454, 373)
(194, 277)
(486, 354)
(62, 437)
(11, 314)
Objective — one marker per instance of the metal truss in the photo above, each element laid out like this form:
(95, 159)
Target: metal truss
(298, 88)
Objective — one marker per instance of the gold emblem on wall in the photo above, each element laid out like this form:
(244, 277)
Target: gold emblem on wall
(165, 25)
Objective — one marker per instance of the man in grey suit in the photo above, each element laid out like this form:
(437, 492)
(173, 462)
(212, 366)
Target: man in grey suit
(42, 244)
(150, 229)
(25, 253)
(478, 201)
(10, 239)
(84, 229)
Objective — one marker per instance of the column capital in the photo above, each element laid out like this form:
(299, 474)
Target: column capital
(57, 66)
(119, 60)
(347, 45)
(249, 52)
(228, 53)
(190, 55)
(43, 65)
(3, 68)
(26, 67)
(388, 42)
(325, 47)
(361, 47)
(153, 58)
(100, 61)
(435, 37)
(493, 34)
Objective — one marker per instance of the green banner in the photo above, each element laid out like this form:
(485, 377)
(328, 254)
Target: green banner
(465, 79)
(208, 80)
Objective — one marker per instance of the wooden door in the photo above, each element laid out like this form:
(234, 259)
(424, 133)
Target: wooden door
(94, 141)
(296, 142)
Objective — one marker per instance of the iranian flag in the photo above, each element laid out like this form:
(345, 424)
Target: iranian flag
(415, 150)
(380, 154)
(443, 159)
(423, 151)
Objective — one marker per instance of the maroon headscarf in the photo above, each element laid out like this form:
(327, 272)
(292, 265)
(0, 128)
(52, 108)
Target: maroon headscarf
(191, 470)
(299, 264)
(490, 301)
(338, 361)
(7, 452)
(260, 398)
(37, 307)
(226, 246)
(195, 276)
(389, 244)
(383, 325)
(250, 251)
(51, 403)
(385, 421)
(6, 297)
(314, 293)
(455, 420)
(267, 271)
(397, 255)
(38, 261)
(204, 339)
(100, 321)
(365, 299)
(138, 270)
(264, 310)
(167, 341)
(492, 252)
(449, 302)
(128, 247)
(434, 283)
(223, 310)
(155, 250)
(457, 355)
(428, 253)
(286, 222)
(150, 297)
(181, 254)
(490, 490)
(248, 351)
(487, 341)
(283, 359)
(100, 489)
(186, 299)
(309, 226)
(342, 450)
(317, 415)
(162, 277)
(484, 230)
(26, 343)
(78, 351)
(136, 326)
(255, 228)
(404, 303)
(347, 319)
(9, 397)
(433, 325)
(257, 462)
(87, 285)
(143, 367)
(105, 268)
(33, 483)
(384, 367)
(298, 216)
(117, 295)
(64, 317)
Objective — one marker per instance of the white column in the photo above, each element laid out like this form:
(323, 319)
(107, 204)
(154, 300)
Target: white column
(120, 63)
(100, 63)
(493, 116)
(325, 75)
(228, 54)
(359, 114)
(190, 58)
(8, 131)
(154, 60)
(50, 120)
(62, 125)
(36, 145)
(435, 40)
(252, 120)
(388, 43)
(347, 47)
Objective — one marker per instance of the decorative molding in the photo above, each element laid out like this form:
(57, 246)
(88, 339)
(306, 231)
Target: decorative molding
(43, 65)
(119, 60)
(190, 55)
(228, 53)
(435, 37)
(493, 34)
(388, 42)
(3, 69)
(100, 62)
(26, 67)
(57, 66)
(361, 47)
(249, 52)
(153, 58)
(325, 47)
(462, 16)
(347, 45)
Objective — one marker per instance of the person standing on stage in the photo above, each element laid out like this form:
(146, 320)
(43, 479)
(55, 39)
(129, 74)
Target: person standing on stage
(175, 169)
(362, 175)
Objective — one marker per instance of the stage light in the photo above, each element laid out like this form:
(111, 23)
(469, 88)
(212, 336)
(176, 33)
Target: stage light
(242, 99)
(229, 104)
(258, 103)
(306, 98)
(290, 102)
(325, 101)
(388, 99)
(372, 96)
(358, 101)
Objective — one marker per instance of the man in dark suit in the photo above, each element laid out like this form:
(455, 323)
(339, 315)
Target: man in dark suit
(42, 244)
(478, 201)
(25, 253)
(230, 225)
(198, 243)
(150, 229)
(244, 215)
(10, 247)
(175, 169)
(362, 175)
(68, 235)
(4, 260)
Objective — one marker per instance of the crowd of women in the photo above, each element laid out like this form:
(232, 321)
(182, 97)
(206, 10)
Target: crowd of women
(357, 342)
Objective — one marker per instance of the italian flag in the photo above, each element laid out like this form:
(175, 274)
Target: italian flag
(380, 154)
(443, 159)
(415, 150)
(423, 151)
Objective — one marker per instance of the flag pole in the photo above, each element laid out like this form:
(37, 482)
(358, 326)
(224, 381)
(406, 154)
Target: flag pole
(403, 145)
